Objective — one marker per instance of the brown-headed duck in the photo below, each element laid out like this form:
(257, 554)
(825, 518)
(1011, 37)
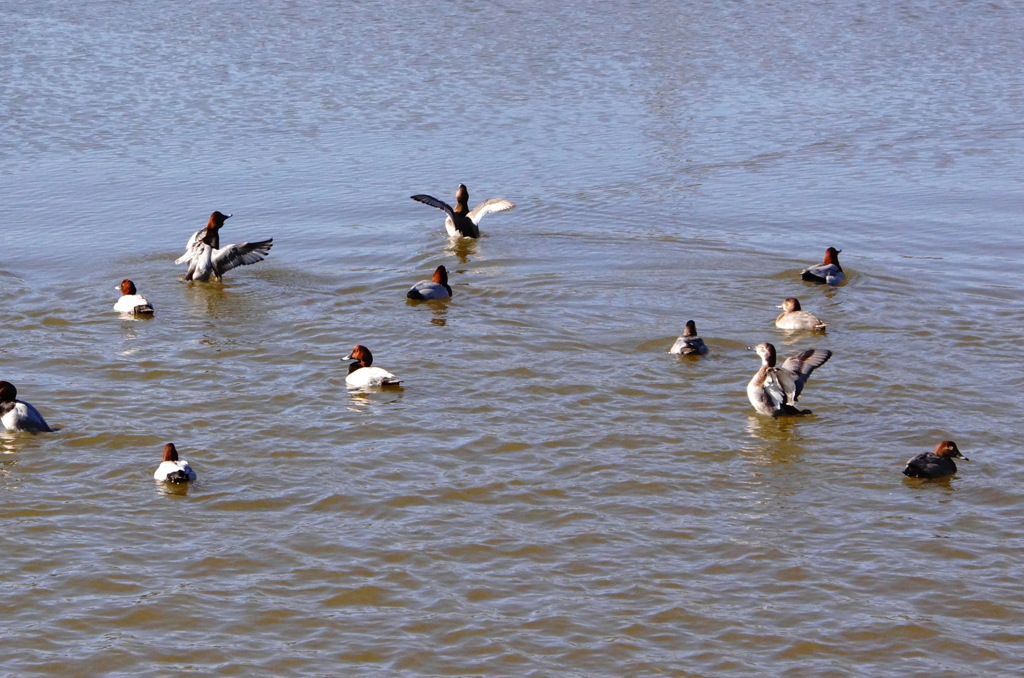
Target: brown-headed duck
(207, 258)
(689, 343)
(773, 390)
(362, 373)
(462, 221)
(934, 464)
(828, 271)
(435, 288)
(795, 318)
(172, 469)
(131, 301)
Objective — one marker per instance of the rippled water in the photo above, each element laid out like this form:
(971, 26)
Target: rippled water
(551, 493)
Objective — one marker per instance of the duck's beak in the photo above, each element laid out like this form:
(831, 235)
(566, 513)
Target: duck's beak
(348, 357)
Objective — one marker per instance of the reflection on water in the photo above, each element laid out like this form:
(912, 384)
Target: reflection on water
(362, 400)
(173, 490)
(7, 440)
(462, 248)
(775, 429)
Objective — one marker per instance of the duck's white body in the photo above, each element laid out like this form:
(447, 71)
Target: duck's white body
(17, 415)
(133, 303)
(174, 472)
(830, 274)
(370, 377)
(21, 416)
(428, 289)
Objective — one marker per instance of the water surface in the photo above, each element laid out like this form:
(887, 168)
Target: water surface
(551, 493)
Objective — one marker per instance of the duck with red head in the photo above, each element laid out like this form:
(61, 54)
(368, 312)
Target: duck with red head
(935, 464)
(17, 415)
(363, 374)
(131, 301)
(689, 343)
(828, 272)
(172, 469)
(773, 390)
(435, 288)
(207, 258)
(795, 318)
(460, 220)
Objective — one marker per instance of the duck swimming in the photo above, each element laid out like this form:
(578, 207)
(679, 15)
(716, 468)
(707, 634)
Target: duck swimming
(172, 469)
(689, 343)
(131, 301)
(362, 374)
(435, 288)
(828, 271)
(773, 390)
(207, 258)
(17, 415)
(935, 464)
(795, 318)
(461, 220)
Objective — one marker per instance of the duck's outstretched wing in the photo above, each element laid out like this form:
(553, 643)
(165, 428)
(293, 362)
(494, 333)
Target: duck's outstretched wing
(434, 202)
(192, 247)
(246, 253)
(795, 371)
(488, 206)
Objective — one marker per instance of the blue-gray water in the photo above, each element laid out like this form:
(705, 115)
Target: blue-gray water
(551, 493)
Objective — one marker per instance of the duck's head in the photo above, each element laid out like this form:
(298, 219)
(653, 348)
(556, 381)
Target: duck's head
(360, 354)
(948, 449)
(790, 304)
(767, 353)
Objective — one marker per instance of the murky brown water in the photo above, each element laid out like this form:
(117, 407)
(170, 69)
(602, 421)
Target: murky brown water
(551, 493)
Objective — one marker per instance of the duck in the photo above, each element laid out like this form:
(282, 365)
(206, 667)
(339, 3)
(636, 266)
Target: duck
(362, 374)
(795, 318)
(172, 469)
(207, 258)
(462, 221)
(828, 271)
(935, 464)
(131, 301)
(688, 342)
(435, 288)
(17, 415)
(773, 390)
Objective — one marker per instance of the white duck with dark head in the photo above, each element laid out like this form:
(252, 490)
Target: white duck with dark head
(363, 374)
